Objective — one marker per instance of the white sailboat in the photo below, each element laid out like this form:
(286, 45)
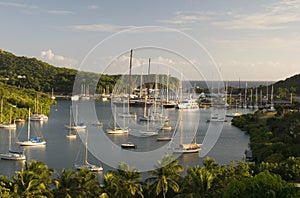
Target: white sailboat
(148, 132)
(128, 114)
(186, 148)
(75, 125)
(11, 154)
(272, 108)
(168, 104)
(38, 141)
(117, 130)
(166, 126)
(71, 135)
(37, 116)
(216, 118)
(86, 164)
(8, 125)
(52, 95)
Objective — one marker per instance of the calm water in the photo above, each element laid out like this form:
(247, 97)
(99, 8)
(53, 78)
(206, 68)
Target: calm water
(61, 152)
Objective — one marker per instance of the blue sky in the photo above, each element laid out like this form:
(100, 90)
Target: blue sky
(247, 40)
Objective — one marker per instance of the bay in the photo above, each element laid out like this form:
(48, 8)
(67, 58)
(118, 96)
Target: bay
(62, 153)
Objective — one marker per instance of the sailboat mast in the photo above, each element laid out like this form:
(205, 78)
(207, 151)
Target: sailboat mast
(76, 115)
(115, 118)
(9, 143)
(195, 137)
(86, 147)
(180, 140)
(256, 97)
(28, 128)
(130, 68)
(10, 112)
(168, 87)
(145, 107)
(70, 122)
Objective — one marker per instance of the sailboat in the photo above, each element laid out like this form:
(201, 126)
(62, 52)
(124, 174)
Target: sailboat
(37, 116)
(148, 132)
(187, 148)
(8, 125)
(31, 141)
(128, 114)
(155, 117)
(272, 108)
(11, 154)
(70, 134)
(117, 130)
(75, 125)
(52, 95)
(86, 164)
(168, 104)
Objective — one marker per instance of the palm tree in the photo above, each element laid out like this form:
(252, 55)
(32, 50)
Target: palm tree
(34, 180)
(197, 183)
(131, 178)
(67, 184)
(124, 182)
(165, 176)
(6, 187)
(88, 183)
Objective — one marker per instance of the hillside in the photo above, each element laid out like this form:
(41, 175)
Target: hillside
(22, 99)
(32, 73)
(291, 84)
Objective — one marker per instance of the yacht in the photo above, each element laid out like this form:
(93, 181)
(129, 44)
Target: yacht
(188, 104)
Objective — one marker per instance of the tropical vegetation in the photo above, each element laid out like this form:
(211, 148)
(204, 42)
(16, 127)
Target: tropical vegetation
(167, 180)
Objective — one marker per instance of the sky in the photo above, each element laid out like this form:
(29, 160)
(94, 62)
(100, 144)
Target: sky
(231, 40)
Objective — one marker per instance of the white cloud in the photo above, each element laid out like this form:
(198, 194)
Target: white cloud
(275, 16)
(182, 18)
(18, 5)
(57, 60)
(60, 12)
(99, 27)
(93, 7)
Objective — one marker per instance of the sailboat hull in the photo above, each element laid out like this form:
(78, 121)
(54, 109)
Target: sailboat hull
(32, 143)
(11, 156)
(8, 126)
(186, 150)
(117, 131)
(89, 167)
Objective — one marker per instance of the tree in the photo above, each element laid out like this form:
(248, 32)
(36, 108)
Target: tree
(197, 183)
(66, 184)
(263, 184)
(165, 176)
(34, 180)
(124, 182)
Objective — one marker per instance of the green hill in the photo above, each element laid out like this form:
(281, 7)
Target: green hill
(27, 72)
(289, 85)
(22, 99)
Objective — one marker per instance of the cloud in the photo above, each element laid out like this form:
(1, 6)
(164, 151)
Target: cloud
(275, 16)
(99, 27)
(60, 12)
(57, 60)
(18, 5)
(188, 17)
(93, 7)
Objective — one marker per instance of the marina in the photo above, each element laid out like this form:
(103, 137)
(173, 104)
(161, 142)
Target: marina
(62, 152)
